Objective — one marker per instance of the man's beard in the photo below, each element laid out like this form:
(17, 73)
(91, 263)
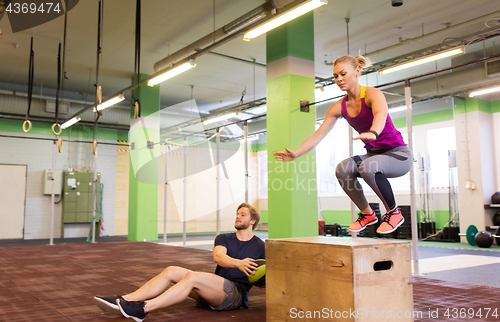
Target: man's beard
(241, 226)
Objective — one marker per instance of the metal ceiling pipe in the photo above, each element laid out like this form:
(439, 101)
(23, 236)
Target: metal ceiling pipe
(3, 7)
(241, 22)
(236, 32)
(446, 83)
(435, 33)
(280, 3)
(50, 120)
(237, 59)
(43, 97)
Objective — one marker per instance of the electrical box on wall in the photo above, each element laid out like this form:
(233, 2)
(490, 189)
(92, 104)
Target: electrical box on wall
(47, 182)
(78, 202)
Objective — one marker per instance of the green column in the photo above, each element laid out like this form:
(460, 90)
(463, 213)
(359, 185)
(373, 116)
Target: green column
(143, 179)
(292, 198)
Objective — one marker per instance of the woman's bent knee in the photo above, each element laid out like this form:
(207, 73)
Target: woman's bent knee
(345, 168)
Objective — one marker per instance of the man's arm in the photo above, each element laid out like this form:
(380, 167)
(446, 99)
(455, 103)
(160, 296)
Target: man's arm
(221, 258)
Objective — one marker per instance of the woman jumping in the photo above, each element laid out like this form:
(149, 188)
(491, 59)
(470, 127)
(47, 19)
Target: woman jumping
(365, 109)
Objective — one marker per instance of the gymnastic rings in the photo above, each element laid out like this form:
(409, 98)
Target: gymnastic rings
(59, 145)
(94, 147)
(136, 109)
(99, 94)
(53, 128)
(29, 126)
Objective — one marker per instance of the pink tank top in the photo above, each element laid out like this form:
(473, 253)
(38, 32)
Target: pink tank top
(389, 138)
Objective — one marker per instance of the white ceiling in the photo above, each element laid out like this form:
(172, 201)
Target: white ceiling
(169, 25)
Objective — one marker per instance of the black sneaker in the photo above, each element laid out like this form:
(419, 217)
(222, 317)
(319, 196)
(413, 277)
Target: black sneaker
(108, 304)
(132, 309)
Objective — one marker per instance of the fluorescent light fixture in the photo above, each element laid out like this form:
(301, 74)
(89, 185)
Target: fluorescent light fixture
(423, 60)
(171, 73)
(250, 138)
(485, 91)
(284, 18)
(219, 118)
(67, 124)
(111, 102)
(397, 109)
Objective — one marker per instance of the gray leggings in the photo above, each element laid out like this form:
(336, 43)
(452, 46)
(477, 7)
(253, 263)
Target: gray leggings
(374, 168)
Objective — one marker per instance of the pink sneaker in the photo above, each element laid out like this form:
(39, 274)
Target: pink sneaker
(363, 221)
(391, 222)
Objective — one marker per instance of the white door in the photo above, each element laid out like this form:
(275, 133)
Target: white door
(12, 197)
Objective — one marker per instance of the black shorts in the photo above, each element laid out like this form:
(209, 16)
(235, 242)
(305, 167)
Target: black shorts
(232, 300)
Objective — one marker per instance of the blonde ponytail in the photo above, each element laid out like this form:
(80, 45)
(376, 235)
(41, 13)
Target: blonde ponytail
(360, 61)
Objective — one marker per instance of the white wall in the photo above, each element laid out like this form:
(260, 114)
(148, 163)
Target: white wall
(37, 155)
(201, 210)
(496, 140)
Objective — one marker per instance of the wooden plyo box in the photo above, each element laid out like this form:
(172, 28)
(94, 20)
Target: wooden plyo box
(338, 279)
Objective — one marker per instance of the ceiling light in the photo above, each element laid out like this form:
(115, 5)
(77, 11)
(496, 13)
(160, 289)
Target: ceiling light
(397, 109)
(423, 60)
(67, 124)
(485, 91)
(219, 118)
(171, 73)
(111, 102)
(284, 18)
(251, 138)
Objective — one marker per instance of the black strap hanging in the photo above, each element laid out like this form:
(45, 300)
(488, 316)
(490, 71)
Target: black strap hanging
(98, 98)
(97, 73)
(31, 74)
(243, 95)
(61, 75)
(56, 122)
(64, 47)
(137, 62)
(58, 82)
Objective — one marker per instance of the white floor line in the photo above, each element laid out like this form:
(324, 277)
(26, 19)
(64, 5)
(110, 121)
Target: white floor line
(190, 243)
(444, 263)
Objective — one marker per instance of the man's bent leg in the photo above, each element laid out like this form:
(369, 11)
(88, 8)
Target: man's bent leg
(158, 284)
(209, 286)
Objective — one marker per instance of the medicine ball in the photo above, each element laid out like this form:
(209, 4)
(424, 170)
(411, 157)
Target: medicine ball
(483, 239)
(495, 198)
(496, 219)
(259, 276)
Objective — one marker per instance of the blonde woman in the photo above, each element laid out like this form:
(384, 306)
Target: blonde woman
(365, 109)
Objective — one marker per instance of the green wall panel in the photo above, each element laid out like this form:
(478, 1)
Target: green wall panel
(341, 217)
(441, 217)
(264, 218)
(477, 104)
(295, 38)
(292, 185)
(426, 118)
(143, 197)
(495, 106)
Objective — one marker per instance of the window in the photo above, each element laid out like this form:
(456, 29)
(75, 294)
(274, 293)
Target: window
(439, 141)
(333, 149)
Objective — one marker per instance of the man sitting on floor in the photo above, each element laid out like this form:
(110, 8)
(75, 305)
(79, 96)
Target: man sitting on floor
(226, 289)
